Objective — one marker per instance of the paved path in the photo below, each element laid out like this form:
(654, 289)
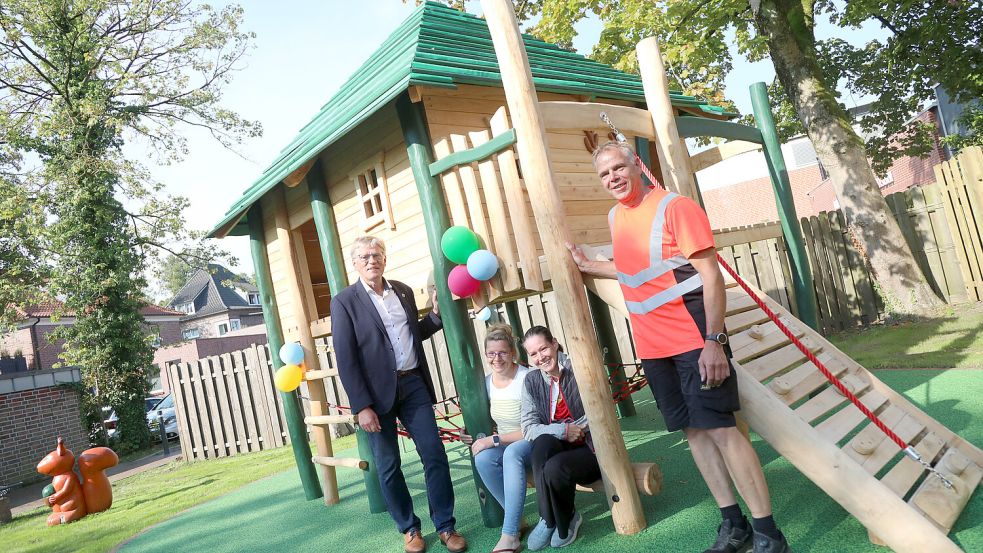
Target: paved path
(26, 498)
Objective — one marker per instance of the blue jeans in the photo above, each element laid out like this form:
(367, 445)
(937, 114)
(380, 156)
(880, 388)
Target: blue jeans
(414, 410)
(503, 470)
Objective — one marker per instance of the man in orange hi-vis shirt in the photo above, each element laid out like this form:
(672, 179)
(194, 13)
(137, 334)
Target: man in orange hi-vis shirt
(665, 260)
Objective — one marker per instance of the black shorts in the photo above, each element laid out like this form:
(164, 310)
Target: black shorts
(675, 383)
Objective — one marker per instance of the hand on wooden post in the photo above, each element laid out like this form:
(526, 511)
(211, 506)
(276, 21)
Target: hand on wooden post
(368, 420)
(433, 300)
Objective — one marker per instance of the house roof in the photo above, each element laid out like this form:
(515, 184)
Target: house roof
(437, 46)
(209, 290)
(49, 308)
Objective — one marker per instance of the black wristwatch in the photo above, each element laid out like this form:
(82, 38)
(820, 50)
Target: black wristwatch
(719, 337)
(496, 440)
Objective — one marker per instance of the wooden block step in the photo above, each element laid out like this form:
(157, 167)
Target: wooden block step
(742, 321)
(866, 442)
(907, 430)
(761, 339)
(782, 358)
(841, 423)
(341, 462)
(903, 475)
(830, 398)
(805, 379)
(943, 505)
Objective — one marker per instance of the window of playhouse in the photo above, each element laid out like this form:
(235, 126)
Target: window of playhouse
(373, 193)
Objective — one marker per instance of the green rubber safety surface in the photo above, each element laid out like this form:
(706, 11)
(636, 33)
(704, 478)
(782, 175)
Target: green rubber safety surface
(272, 515)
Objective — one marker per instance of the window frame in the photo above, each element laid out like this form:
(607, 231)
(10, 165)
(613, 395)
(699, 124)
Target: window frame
(186, 333)
(219, 326)
(373, 201)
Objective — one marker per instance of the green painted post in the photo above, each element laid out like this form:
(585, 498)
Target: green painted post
(512, 312)
(642, 149)
(458, 332)
(609, 351)
(805, 297)
(330, 243)
(292, 411)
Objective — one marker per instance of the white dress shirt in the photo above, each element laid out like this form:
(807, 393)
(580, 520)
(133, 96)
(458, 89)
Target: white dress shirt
(397, 326)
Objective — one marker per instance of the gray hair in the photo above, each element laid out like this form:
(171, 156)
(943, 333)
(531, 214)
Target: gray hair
(623, 147)
(367, 241)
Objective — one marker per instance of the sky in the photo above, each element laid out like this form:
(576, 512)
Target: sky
(304, 50)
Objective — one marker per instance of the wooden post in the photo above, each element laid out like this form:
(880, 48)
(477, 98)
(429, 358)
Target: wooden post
(292, 412)
(805, 297)
(302, 320)
(857, 491)
(612, 355)
(568, 285)
(670, 147)
(462, 346)
(512, 312)
(330, 243)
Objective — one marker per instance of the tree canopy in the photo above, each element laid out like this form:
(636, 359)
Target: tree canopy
(78, 80)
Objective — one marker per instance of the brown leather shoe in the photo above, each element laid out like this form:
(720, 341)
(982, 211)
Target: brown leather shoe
(455, 542)
(413, 542)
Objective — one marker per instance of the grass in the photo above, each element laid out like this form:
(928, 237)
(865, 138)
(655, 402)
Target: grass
(951, 340)
(148, 498)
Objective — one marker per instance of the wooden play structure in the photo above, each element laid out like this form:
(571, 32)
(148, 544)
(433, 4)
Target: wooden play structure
(455, 121)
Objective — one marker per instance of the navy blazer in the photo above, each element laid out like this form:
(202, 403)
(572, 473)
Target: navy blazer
(366, 360)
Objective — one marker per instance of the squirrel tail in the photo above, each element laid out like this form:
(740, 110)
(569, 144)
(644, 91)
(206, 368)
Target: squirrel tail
(96, 488)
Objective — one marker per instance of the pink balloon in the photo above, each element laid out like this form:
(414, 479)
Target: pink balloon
(461, 283)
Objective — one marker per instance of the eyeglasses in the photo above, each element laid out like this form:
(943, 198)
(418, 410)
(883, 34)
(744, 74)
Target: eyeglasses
(366, 257)
(497, 354)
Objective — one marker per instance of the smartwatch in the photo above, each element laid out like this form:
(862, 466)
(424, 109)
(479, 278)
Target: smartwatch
(719, 337)
(496, 440)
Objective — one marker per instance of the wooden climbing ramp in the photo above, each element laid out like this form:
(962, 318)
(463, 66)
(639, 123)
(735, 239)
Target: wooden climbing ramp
(788, 401)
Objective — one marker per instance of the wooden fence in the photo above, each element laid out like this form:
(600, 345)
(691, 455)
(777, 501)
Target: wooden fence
(942, 224)
(227, 404)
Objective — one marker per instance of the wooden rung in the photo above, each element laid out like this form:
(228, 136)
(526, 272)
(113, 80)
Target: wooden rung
(738, 302)
(943, 505)
(329, 419)
(903, 475)
(760, 339)
(866, 442)
(841, 423)
(907, 429)
(806, 378)
(321, 328)
(341, 462)
(648, 480)
(830, 398)
(740, 322)
(782, 358)
(319, 375)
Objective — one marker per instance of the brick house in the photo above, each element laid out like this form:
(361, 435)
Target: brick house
(737, 191)
(41, 352)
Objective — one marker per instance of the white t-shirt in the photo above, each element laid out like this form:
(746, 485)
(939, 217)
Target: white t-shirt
(506, 403)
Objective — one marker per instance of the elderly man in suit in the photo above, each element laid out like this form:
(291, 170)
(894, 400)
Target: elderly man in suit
(378, 342)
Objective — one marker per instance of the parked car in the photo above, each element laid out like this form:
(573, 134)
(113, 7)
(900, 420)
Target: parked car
(166, 407)
(111, 420)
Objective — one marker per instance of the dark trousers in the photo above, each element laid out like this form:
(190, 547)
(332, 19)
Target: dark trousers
(557, 468)
(414, 410)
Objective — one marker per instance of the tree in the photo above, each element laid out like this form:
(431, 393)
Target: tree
(931, 42)
(20, 253)
(78, 79)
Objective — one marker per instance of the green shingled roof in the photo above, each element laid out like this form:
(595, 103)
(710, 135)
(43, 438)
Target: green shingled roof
(442, 47)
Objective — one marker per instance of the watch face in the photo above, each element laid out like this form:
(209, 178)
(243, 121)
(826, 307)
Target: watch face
(722, 338)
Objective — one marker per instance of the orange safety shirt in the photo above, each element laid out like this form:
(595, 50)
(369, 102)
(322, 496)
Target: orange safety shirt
(663, 292)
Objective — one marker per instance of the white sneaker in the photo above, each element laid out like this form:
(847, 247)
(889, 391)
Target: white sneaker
(575, 523)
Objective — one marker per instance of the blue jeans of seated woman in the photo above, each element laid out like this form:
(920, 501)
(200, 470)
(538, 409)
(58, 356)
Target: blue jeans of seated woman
(503, 470)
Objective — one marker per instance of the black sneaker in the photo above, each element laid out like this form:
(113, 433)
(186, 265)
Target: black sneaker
(764, 544)
(732, 539)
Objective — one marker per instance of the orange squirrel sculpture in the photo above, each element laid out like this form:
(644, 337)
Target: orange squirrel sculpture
(74, 498)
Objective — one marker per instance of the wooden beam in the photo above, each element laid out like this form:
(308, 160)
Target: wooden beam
(330, 419)
(707, 158)
(670, 147)
(579, 116)
(295, 178)
(532, 144)
(333, 462)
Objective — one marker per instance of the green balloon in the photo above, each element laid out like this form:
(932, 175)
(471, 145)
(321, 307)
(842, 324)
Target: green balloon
(458, 243)
(48, 490)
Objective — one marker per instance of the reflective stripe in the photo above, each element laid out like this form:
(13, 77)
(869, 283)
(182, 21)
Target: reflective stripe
(657, 266)
(665, 296)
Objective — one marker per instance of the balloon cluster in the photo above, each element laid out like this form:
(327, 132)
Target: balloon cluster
(289, 376)
(475, 265)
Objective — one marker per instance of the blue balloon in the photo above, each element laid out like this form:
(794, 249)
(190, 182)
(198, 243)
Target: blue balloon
(484, 314)
(292, 353)
(482, 265)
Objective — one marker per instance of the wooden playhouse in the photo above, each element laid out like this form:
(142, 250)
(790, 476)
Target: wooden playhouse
(455, 121)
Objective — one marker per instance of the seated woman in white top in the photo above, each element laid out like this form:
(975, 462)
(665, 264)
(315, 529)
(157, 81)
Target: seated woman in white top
(502, 458)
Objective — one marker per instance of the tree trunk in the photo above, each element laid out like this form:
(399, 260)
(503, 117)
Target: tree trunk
(791, 43)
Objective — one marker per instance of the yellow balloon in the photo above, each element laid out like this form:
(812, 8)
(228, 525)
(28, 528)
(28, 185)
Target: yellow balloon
(288, 377)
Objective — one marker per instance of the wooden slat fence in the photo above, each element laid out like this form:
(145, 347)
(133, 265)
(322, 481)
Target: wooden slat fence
(226, 405)
(960, 182)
